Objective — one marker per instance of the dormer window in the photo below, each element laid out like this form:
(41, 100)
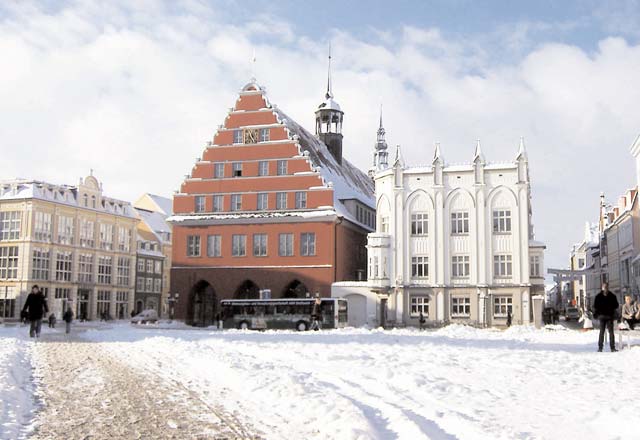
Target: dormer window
(85, 199)
(93, 202)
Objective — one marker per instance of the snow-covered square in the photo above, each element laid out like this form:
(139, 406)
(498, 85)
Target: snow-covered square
(453, 383)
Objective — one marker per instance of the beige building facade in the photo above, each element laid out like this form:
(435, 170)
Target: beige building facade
(74, 242)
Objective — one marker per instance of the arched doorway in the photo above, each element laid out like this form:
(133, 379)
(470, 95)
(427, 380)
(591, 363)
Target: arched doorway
(203, 305)
(247, 290)
(295, 289)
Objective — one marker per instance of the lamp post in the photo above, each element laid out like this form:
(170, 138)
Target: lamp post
(172, 299)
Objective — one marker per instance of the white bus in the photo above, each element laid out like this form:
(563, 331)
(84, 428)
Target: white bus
(287, 313)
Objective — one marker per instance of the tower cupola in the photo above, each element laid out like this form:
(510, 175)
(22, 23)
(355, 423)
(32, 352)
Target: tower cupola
(329, 118)
(381, 153)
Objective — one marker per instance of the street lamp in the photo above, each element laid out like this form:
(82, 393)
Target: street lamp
(172, 299)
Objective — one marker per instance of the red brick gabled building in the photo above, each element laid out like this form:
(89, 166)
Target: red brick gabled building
(269, 206)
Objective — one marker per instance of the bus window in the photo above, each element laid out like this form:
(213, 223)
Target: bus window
(259, 310)
(269, 310)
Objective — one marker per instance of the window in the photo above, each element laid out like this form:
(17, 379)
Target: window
(237, 136)
(42, 226)
(123, 271)
(263, 201)
(218, 203)
(9, 225)
(199, 202)
(85, 268)
(419, 304)
(375, 266)
(218, 170)
(106, 236)
(104, 302)
(502, 306)
(238, 245)
(384, 225)
(141, 264)
(236, 202)
(535, 265)
(62, 293)
(65, 229)
(301, 199)
(158, 267)
(86, 233)
(40, 264)
(502, 221)
(307, 244)
(285, 245)
(236, 169)
(282, 167)
(502, 266)
(460, 307)
(419, 223)
(148, 285)
(124, 239)
(263, 168)
(64, 263)
(140, 284)
(420, 266)
(214, 246)
(460, 266)
(9, 262)
(122, 304)
(193, 246)
(104, 270)
(460, 222)
(251, 135)
(580, 263)
(93, 202)
(259, 245)
(281, 200)
(157, 285)
(264, 135)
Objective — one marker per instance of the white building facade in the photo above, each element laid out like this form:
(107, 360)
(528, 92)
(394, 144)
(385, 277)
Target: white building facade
(453, 243)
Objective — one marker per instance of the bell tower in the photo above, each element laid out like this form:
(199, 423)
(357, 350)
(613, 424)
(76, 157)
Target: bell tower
(329, 118)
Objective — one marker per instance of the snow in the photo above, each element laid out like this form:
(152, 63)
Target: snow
(17, 400)
(453, 383)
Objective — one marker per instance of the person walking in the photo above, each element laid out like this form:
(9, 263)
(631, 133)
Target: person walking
(316, 314)
(36, 307)
(52, 320)
(67, 318)
(605, 306)
(421, 320)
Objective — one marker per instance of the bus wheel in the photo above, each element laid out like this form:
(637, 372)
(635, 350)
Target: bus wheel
(302, 326)
(244, 325)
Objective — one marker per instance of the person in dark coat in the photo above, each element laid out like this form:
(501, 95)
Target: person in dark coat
(36, 306)
(605, 306)
(421, 320)
(52, 321)
(509, 319)
(67, 318)
(316, 314)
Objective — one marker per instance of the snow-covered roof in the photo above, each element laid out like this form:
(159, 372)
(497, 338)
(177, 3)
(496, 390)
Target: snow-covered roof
(164, 204)
(329, 104)
(252, 215)
(535, 243)
(20, 189)
(156, 221)
(347, 180)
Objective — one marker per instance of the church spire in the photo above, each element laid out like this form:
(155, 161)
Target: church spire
(329, 93)
(380, 154)
(329, 118)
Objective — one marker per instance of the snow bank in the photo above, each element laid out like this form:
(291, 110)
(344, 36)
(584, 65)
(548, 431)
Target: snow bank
(17, 400)
(457, 382)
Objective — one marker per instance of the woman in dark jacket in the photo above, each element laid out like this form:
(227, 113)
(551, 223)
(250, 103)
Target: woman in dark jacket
(68, 317)
(36, 306)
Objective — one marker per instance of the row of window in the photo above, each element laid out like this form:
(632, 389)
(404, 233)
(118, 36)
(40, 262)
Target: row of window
(237, 171)
(150, 285)
(260, 245)
(251, 135)
(262, 203)
(148, 265)
(109, 236)
(459, 222)
(366, 216)
(461, 306)
(502, 266)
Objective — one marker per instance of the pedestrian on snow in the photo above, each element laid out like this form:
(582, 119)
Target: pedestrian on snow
(508, 318)
(605, 307)
(316, 313)
(68, 317)
(133, 313)
(421, 320)
(52, 320)
(36, 307)
(629, 312)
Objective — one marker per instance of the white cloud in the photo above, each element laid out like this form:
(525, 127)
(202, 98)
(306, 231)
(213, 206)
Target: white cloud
(135, 92)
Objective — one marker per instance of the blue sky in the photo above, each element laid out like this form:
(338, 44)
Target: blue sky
(135, 89)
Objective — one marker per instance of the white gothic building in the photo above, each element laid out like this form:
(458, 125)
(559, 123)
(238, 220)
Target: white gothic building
(453, 242)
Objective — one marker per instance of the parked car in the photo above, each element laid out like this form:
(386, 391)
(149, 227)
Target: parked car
(571, 313)
(145, 316)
